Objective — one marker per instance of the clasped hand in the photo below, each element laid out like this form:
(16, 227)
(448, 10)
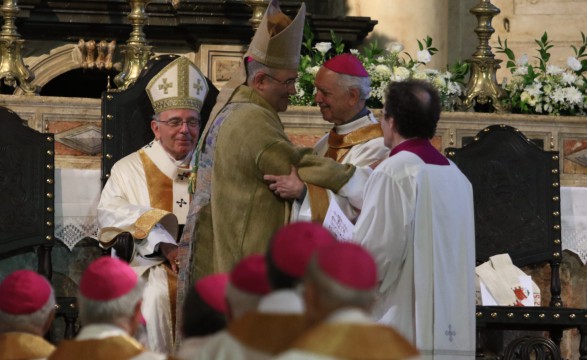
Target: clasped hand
(170, 252)
(286, 186)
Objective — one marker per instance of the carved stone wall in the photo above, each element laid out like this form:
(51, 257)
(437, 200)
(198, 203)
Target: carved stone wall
(567, 134)
(76, 123)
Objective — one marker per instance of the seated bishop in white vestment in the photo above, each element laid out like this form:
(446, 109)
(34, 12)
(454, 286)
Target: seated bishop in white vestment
(147, 194)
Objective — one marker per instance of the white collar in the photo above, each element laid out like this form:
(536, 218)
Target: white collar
(284, 301)
(366, 120)
(349, 315)
(100, 331)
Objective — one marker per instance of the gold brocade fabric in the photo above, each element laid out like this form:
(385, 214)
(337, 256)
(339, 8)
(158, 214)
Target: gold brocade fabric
(145, 223)
(340, 145)
(172, 289)
(160, 186)
(318, 202)
(110, 348)
(356, 341)
(267, 333)
(23, 346)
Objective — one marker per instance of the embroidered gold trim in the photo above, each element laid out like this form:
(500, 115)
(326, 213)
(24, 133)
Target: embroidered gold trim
(159, 185)
(147, 221)
(318, 202)
(269, 333)
(356, 341)
(15, 345)
(340, 145)
(110, 348)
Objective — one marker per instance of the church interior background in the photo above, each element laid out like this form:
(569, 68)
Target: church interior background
(65, 54)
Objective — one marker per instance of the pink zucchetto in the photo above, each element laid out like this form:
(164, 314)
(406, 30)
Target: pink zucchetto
(212, 289)
(24, 292)
(347, 64)
(294, 244)
(107, 279)
(348, 264)
(250, 275)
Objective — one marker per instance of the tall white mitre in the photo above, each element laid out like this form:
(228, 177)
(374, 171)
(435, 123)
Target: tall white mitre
(179, 85)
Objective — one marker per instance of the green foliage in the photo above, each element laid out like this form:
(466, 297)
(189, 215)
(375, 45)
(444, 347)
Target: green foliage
(542, 88)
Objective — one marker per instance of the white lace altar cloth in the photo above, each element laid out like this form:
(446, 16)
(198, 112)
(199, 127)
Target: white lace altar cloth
(77, 193)
(574, 220)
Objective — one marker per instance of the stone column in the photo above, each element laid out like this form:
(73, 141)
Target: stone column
(406, 21)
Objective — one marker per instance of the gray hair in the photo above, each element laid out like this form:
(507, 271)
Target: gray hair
(241, 302)
(109, 312)
(363, 84)
(334, 295)
(32, 323)
(253, 68)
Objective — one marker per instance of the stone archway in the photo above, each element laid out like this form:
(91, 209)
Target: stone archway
(48, 66)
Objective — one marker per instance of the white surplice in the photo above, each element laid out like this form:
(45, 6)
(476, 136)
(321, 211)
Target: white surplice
(225, 346)
(360, 155)
(418, 222)
(124, 199)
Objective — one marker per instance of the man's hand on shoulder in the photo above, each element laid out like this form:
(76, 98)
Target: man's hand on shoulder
(286, 186)
(170, 252)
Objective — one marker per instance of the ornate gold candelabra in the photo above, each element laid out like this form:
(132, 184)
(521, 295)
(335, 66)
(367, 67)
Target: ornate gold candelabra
(259, 7)
(12, 69)
(136, 51)
(482, 87)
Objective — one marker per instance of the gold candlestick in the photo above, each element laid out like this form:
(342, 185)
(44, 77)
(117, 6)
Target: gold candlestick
(12, 69)
(259, 7)
(136, 51)
(482, 88)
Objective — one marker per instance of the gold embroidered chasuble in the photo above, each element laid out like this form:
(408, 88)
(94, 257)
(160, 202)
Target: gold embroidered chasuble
(109, 348)
(356, 341)
(266, 332)
(340, 144)
(163, 190)
(23, 346)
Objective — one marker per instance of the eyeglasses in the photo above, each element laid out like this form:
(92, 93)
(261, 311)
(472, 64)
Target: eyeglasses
(178, 122)
(287, 83)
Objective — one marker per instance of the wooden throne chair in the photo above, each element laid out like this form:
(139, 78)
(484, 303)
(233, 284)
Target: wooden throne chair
(27, 203)
(516, 191)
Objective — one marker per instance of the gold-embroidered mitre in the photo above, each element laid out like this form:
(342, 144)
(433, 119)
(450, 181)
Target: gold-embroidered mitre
(179, 85)
(278, 40)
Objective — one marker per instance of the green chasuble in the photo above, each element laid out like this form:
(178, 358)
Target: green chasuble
(236, 212)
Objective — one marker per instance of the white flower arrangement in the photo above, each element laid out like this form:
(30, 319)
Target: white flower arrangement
(383, 66)
(542, 88)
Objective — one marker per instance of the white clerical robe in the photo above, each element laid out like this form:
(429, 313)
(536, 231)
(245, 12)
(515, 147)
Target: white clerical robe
(226, 346)
(125, 205)
(190, 347)
(342, 317)
(418, 222)
(361, 155)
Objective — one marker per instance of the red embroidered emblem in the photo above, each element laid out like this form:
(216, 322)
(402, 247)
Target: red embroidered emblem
(521, 294)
